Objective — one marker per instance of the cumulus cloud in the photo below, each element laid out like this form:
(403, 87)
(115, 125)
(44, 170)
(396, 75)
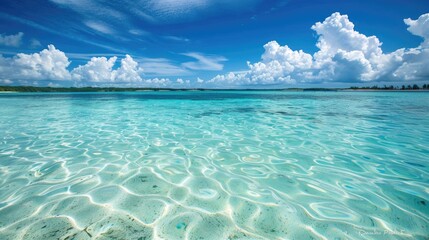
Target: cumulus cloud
(158, 82)
(419, 27)
(52, 64)
(49, 64)
(11, 40)
(344, 55)
(204, 62)
(415, 65)
(100, 69)
(129, 71)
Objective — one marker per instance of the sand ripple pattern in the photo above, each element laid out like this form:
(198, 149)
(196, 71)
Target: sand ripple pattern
(214, 165)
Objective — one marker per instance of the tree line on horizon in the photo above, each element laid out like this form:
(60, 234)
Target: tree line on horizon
(119, 89)
(391, 87)
(74, 89)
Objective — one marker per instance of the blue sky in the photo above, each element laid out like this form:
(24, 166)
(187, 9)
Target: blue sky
(209, 43)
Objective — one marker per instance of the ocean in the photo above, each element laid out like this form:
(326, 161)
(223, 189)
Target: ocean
(214, 165)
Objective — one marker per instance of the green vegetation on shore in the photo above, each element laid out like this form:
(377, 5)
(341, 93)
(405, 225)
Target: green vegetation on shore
(391, 87)
(119, 89)
(81, 89)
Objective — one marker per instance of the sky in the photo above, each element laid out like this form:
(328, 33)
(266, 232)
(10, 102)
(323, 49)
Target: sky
(214, 43)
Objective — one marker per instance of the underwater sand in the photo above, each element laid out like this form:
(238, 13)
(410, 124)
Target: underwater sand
(214, 165)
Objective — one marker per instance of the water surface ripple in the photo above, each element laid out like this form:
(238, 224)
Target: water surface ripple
(214, 165)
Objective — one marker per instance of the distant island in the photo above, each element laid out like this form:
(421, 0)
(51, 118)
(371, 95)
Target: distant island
(391, 87)
(414, 87)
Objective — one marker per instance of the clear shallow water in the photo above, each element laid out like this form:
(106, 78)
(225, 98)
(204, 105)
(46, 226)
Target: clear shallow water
(214, 165)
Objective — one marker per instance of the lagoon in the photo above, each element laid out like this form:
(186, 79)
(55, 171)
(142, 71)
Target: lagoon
(214, 165)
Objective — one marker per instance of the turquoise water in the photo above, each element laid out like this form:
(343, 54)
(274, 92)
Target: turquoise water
(214, 165)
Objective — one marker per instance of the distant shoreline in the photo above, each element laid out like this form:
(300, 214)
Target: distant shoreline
(383, 90)
(29, 89)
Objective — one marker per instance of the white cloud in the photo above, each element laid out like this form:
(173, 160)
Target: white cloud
(128, 72)
(11, 40)
(52, 64)
(337, 33)
(88, 56)
(51, 84)
(204, 62)
(139, 32)
(419, 27)
(175, 38)
(49, 64)
(283, 54)
(157, 82)
(100, 27)
(259, 74)
(416, 60)
(182, 82)
(6, 81)
(100, 69)
(344, 55)
(34, 43)
(163, 67)
(415, 65)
